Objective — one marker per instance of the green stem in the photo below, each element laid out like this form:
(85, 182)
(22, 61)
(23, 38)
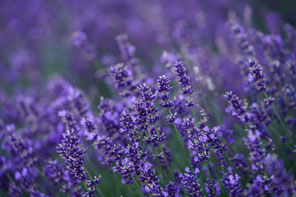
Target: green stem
(42, 175)
(164, 156)
(268, 185)
(180, 140)
(228, 159)
(211, 179)
(84, 186)
(154, 153)
(97, 189)
(279, 137)
(135, 181)
(193, 113)
(279, 117)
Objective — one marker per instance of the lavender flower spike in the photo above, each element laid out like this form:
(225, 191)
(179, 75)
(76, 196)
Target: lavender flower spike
(184, 80)
(70, 150)
(164, 89)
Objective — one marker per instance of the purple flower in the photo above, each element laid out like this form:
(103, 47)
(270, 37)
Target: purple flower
(196, 142)
(183, 79)
(290, 95)
(257, 153)
(147, 99)
(127, 125)
(141, 115)
(122, 79)
(70, 150)
(154, 136)
(125, 169)
(245, 46)
(54, 172)
(148, 175)
(168, 59)
(231, 183)
(126, 49)
(256, 75)
(81, 42)
(209, 188)
(281, 182)
(91, 185)
(238, 106)
(14, 190)
(190, 182)
(164, 90)
(162, 158)
(89, 124)
(112, 152)
(240, 163)
(172, 189)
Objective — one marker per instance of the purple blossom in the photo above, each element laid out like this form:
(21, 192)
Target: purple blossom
(183, 79)
(231, 183)
(172, 189)
(148, 98)
(257, 153)
(190, 182)
(238, 106)
(256, 75)
(70, 150)
(164, 90)
(209, 188)
(122, 79)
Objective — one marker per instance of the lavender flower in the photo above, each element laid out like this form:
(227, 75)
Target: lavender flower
(112, 152)
(168, 59)
(90, 126)
(281, 182)
(209, 188)
(81, 42)
(183, 79)
(70, 150)
(149, 176)
(257, 153)
(241, 37)
(190, 183)
(196, 142)
(256, 75)
(154, 136)
(125, 169)
(127, 50)
(164, 90)
(14, 191)
(167, 156)
(121, 78)
(148, 102)
(127, 125)
(172, 189)
(54, 172)
(290, 95)
(238, 106)
(91, 184)
(258, 187)
(240, 163)
(231, 183)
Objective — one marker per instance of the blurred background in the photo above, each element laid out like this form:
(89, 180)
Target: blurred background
(75, 39)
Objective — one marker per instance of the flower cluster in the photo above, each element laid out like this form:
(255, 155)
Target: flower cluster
(137, 98)
(70, 150)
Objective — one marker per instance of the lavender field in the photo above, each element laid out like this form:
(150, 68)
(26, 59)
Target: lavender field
(158, 98)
